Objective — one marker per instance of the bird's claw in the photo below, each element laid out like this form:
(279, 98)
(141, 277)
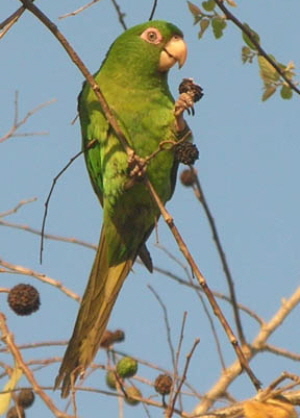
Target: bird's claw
(190, 93)
(137, 167)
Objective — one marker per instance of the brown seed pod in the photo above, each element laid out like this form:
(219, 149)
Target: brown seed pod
(187, 178)
(163, 384)
(24, 299)
(15, 412)
(131, 392)
(25, 398)
(186, 153)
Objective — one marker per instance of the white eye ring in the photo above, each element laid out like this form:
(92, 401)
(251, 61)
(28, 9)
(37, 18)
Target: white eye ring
(152, 36)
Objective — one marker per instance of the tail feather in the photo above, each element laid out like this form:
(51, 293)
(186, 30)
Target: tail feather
(99, 298)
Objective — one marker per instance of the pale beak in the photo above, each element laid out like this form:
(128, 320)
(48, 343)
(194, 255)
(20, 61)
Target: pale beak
(174, 51)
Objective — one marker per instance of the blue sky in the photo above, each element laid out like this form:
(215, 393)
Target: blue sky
(248, 166)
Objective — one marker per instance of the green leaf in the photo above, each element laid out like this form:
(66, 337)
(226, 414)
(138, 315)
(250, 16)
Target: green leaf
(268, 92)
(267, 71)
(195, 10)
(286, 92)
(218, 25)
(204, 24)
(254, 35)
(209, 5)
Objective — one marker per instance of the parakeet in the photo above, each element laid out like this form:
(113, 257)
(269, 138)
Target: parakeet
(133, 80)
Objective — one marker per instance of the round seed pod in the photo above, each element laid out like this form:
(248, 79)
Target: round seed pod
(15, 412)
(163, 384)
(25, 398)
(131, 392)
(111, 380)
(127, 367)
(24, 299)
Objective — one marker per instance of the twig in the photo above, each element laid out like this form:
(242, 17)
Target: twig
(81, 66)
(180, 343)
(36, 345)
(153, 9)
(176, 368)
(6, 24)
(17, 207)
(261, 51)
(7, 337)
(281, 352)
(198, 293)
(201, 197)
(218, 295)
(188, 359)
(80, 9)
(256, 346)
(91, 144)
(48, 236)
(18, 123)
(212, 326)
(42, 277)
(216, 309)
(121, 15)
(167, 324)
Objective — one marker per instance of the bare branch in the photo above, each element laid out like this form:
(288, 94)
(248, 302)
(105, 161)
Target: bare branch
(18, 123)
(17, 207)
(201, 197)
(188, 359)
(8, 338)
(120, 14)
(79, 10)
(153, 9)
(167, 323)
(258, 344)
(42, 277)
(215, 306)
(91, 144)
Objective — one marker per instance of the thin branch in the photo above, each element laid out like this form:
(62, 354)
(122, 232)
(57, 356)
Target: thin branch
(91, 144)
(214, 304)
(212, 326)
(17, 207)
(167, 324)
(153, 9)
(188, 359)
(256, 346)
(281, 352)
(79, 10)
(202, 301)
(18, 123)
(260, 50)
(8, 338)
(181, 336)
(42, 277)
(218, 295)
(176, 388)
(6, 24)
(48, 236)
(201, 197)
(85, 72)
(120, 14)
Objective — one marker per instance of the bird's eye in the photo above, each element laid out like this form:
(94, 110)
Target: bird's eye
(152, 35)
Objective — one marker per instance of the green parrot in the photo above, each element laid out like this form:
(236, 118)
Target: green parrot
(133, 80)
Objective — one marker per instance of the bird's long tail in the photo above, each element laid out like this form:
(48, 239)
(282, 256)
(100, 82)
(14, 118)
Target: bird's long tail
(99, 298)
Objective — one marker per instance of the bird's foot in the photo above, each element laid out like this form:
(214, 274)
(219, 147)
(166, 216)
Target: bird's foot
(190, 93)
(137, 168)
